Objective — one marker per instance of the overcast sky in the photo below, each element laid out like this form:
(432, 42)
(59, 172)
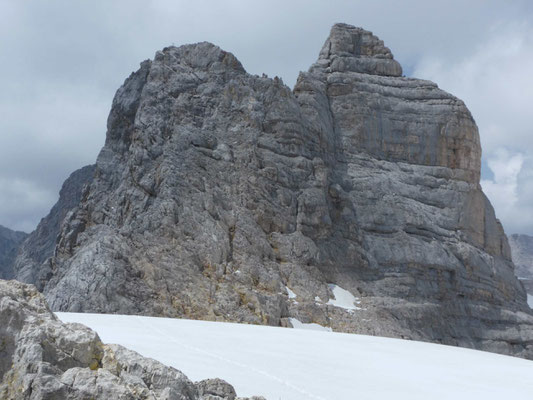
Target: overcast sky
(62, 61)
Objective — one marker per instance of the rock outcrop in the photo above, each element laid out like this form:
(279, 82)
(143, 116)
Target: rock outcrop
(226, 196)
(43, 358)
(522, 252)
(32, 263)
(10, 242)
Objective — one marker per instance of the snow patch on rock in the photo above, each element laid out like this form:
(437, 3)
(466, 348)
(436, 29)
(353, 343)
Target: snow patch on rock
(291, 294)
(296, 324)
(343, 299)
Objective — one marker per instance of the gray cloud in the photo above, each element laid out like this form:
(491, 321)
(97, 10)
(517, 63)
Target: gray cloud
(63, 61)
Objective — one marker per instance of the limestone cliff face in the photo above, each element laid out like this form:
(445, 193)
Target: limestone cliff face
(32, 262)
(10, 242)
(391, 118)
(217, 189)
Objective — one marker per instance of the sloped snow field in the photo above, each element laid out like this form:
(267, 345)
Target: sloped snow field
(298, 364)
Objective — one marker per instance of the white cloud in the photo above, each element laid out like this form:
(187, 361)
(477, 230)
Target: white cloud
(511, 189)
(495, 82)
(502, 190)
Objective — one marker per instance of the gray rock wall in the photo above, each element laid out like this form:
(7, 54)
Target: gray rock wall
(217, 189)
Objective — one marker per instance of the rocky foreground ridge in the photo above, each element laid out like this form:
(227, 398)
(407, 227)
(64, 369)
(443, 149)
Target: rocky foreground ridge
(43, 358)
(226, 196)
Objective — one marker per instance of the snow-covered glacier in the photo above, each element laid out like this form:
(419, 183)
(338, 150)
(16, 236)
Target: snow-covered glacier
(298, 364)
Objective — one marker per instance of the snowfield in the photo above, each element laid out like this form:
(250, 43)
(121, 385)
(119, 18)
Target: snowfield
(298, 364)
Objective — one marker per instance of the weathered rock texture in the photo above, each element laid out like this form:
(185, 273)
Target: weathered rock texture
(43, 358)
(216, 189)
(10, 242)
(32, 263)
(522, 251)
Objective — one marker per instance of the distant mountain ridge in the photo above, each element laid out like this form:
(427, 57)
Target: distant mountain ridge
(522, 252)
(10, 242)
(31, 264)
(23, 256)
(226, 196)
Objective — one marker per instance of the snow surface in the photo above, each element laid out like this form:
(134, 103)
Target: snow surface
(298, 364)
(343, 298)
(530, 301)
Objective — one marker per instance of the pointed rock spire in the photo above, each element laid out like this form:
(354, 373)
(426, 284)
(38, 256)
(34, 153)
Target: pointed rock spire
(349, 48)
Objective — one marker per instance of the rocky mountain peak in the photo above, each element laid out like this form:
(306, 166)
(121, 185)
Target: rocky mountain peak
(226, 196)
(349, 48)
(378, 112)
(202, 56)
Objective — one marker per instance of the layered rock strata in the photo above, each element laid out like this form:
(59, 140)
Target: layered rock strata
(43, 358)
(226, 196)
